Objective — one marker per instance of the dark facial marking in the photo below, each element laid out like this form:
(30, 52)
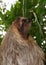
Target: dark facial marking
(25, 27)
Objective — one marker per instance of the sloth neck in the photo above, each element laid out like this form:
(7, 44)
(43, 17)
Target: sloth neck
(22, 37)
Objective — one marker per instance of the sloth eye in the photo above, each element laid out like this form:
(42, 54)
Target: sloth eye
(24, 20)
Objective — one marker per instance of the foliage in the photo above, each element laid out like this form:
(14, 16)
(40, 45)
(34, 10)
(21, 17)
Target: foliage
(31, 9)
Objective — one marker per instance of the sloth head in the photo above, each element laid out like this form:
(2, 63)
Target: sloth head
(23, 25)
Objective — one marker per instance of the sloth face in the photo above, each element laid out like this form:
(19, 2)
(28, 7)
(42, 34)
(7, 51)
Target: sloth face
(23, 25)
(26, 24)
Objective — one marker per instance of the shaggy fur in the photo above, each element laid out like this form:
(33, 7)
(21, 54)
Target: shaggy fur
(18, 47)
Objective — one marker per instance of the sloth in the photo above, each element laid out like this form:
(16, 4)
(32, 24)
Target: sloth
(18, 47)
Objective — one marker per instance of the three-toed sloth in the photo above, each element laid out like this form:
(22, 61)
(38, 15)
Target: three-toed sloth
(18, 47)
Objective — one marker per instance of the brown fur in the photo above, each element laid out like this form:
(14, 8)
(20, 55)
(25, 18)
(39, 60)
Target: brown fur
(18, 47)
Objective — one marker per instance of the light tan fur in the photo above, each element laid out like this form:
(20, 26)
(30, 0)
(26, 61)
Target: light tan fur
(18, 49)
